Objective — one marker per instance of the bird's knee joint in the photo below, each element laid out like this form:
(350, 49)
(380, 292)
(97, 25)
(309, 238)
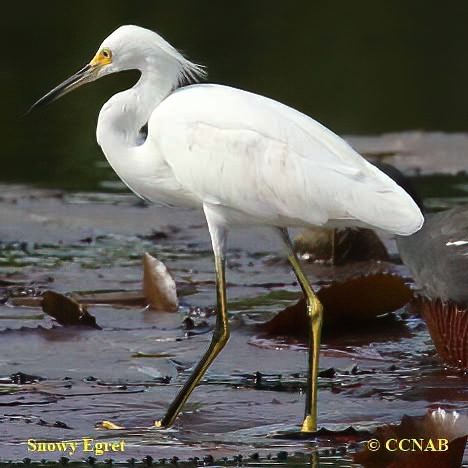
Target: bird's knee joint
(221, 337)
(315, 310)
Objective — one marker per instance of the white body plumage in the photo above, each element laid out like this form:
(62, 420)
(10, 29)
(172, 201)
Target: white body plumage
(250, 159)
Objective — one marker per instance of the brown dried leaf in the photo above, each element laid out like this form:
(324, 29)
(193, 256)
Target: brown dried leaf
(159, 287)
(67, 311)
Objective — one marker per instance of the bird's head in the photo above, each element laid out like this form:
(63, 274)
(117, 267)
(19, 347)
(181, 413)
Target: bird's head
(127, 48)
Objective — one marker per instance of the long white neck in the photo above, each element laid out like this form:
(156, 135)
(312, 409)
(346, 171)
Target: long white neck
(123, 116)
(119, 129)
(136, 161)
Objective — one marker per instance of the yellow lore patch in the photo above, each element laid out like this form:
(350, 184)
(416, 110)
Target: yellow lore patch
(103, 57)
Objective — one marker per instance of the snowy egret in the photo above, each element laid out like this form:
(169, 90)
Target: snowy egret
(242, 158)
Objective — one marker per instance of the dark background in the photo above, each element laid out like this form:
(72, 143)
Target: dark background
(360, 67)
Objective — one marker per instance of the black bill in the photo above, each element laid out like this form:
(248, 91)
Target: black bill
(81, 77)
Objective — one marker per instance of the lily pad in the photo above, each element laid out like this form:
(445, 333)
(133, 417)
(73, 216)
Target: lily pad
(67, 311)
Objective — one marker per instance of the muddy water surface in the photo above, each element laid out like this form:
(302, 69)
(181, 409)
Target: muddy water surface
(56, 383)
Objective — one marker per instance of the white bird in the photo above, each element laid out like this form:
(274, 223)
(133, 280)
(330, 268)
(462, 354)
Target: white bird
(242, 158)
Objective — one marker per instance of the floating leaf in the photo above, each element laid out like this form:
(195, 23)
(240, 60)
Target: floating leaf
(364, 298)
(20, 378)
(25, 301)
(349, 435)
(345, 304)
(67, 311)
(341, 245)
(292, 321)
(448, 326)
(358, 245)
(435, 440)
(159, 287)
(59, 424)
(315, 244)
(118, 298)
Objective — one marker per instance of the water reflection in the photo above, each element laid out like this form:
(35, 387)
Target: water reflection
(358, 68)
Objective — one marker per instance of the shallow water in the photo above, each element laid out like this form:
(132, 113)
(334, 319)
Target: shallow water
(129, 371)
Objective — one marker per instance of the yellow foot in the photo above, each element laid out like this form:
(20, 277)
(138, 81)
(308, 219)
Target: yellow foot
(108, 425)
(158, 424)
(309, 424)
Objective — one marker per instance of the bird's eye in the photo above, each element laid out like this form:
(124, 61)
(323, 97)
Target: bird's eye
(106, 53)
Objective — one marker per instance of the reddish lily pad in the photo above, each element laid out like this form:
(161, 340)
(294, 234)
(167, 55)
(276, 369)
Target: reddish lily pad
(447, 322)
(345, 304)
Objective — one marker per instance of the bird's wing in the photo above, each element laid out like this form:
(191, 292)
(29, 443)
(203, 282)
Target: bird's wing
(254, 157)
